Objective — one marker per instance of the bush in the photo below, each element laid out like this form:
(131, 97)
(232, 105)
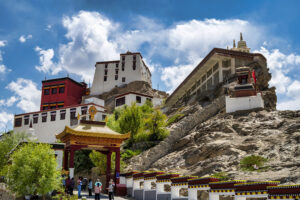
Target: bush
(129, 154)
(252, 163)
(174, 118)
(222, 176)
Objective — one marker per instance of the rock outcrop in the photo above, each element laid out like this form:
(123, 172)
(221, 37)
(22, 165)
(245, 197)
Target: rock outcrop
(197, 146)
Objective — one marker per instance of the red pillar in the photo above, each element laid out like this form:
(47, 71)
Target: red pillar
(108, 167)
(66, 155)
(117, 167)
(71, 161)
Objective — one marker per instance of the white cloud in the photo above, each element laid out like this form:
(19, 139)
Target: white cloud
(27, 95)
(3, 43)
(23, 38)
(8, 102)
(172, 76)
(48, 28)
(4, 69)
(46, 63)
(5, 121)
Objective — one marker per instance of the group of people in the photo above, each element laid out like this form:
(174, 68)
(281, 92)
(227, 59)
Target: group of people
(82, 183)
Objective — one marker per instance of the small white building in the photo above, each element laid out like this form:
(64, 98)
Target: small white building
(110, 74)
(47, 124)
(139, 98)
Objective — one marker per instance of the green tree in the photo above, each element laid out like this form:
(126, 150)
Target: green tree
(156, 124)
(99, 160)
(131, 120)
(33, 170)
(7, 143)
(82, 161)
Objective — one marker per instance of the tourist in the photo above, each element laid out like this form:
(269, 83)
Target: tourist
(79, 184)
(98, 181)
(97, 190)
(84, 183)
(71, 187)
(111, 189)
(90, 187)
(68, 185)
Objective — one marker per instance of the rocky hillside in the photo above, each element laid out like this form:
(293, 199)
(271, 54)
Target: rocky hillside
(203, 145)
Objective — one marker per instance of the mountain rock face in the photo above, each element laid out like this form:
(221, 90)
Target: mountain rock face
(201, 146)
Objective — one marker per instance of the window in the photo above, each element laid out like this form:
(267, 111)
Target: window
(60, 106)
(149, 99)
(62, 114)
(138, 99)
(26, 120)
(53, 107)
(46, 91)
(18, 122)
(103, 117)
(123, 58)
(116, 77)
(105, 72)
(45, 107)
(53, 115)
(54, 90)
(134, 65)
(216, 66)
(61, 89)
(44, 117)
(216, 78)
(73, 113)
(117, 71)
(84, 112)
(209, 72)
(105, 78)
(117, 65)
(203, 78)
(123, 79)
(134, 57)
(123, 66)
(35, 118)
(120, 101)
(106, 66)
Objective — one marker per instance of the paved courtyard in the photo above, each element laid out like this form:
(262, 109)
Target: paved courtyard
(103, 196)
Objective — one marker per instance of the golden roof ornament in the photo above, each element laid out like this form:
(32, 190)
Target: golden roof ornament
(92, 112)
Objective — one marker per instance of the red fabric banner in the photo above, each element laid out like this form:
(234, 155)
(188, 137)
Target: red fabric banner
(253, 75)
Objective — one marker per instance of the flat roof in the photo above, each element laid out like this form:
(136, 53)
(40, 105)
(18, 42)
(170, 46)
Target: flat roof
(62, 79)
(219, 51)
(145, 95)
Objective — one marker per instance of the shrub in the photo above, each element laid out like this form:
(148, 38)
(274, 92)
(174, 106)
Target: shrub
(174, 118)
(253, 162)
(129, 154)
(223, 176)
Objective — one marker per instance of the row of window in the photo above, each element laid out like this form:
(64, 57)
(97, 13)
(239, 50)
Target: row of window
(116, 78)
(121, 101)
(54, 90)
(35, 117)
(123, 66)
(52, 107)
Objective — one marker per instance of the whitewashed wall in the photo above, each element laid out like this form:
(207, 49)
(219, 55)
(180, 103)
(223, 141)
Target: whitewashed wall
(244, 103)
(139, 74)
(46, 131)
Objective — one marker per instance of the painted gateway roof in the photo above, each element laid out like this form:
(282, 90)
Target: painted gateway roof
(92, 129)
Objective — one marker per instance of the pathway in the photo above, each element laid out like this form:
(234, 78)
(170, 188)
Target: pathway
(103, 196)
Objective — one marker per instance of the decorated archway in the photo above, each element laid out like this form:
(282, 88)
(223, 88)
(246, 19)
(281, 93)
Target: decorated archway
(92, 135)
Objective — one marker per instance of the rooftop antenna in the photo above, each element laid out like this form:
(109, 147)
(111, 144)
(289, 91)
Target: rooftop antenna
(233, 43)
(241, 36)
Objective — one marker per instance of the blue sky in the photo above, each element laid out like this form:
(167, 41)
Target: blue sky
(51, 39)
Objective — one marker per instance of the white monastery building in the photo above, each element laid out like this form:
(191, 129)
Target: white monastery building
(139, 98)
(110, 74)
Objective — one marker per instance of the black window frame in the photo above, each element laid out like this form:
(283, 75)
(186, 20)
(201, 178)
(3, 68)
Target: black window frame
(53, 90)
(61, 90)
(123, 79)
(138, 99)
(120, 101)
(26, 119)
(53, 116)
(47, 91)
(18, 122)
(35, 118)
(44, 117)
(62, 114)
(105, 78)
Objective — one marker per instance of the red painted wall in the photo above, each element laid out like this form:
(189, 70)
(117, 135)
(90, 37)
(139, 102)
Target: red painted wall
(72, 95)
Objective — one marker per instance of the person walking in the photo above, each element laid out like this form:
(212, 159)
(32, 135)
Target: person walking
(90, 187)
(79, 183)
(71, 186)
(97, 190)
(111, 189)
(84, 184)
